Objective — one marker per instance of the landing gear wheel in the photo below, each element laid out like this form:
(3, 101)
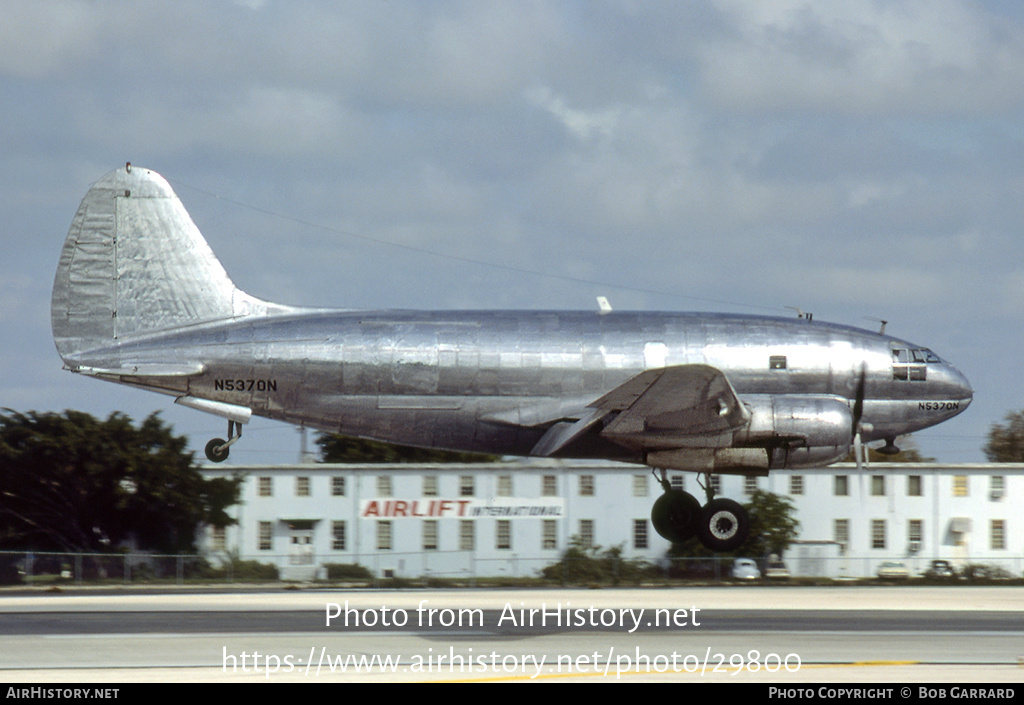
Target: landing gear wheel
(723, 525)
(674, 515)
(215, 452)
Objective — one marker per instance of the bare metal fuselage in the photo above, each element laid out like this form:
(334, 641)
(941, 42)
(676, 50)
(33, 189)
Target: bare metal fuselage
(496, 381)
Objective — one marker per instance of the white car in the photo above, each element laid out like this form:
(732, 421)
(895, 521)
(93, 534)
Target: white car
(891, 570)
(745, 569)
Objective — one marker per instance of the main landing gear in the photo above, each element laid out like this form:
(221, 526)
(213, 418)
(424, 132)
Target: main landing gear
(721, 524)
(217, 449)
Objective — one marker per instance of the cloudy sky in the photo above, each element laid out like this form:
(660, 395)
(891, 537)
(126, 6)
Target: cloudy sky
(861, 160)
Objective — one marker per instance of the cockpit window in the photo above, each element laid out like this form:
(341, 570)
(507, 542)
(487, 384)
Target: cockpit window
(910, 363)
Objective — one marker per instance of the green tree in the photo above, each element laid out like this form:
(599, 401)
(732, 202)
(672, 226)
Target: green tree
(335, 448)
(1006, 441)
(772, 524)
(71, 482)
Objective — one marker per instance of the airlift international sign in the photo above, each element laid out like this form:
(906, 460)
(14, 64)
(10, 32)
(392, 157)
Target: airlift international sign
(463, 508)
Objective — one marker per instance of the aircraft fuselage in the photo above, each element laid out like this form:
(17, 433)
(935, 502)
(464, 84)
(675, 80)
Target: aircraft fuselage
(492, 381)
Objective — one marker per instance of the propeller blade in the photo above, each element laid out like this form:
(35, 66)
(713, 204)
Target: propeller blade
(858, 400)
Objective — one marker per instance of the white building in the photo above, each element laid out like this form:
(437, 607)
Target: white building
(512, 519)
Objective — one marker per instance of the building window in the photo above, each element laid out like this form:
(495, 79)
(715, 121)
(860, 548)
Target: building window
(504, 485)
(504, 535)
(338, 486)
(914, 488)
(878, 533)
(383, 535)
(384, 486)
(587, 532)
(878, 485)
(915, 534)
(716, 483)
(997, 535)
(586, 485)
(338, 535)
(640, 486)
(960, 488)
(997, 488)
(841, 486)
(430, 485)
(301, 486)
(266, 487)
(467, 535)
(266, 536)
(548, 486)
(550, 540)
(749, 484)
(796, 484)
(841, 534)
(676, 482)
(430, 534)
(639, 533)
(466, 488)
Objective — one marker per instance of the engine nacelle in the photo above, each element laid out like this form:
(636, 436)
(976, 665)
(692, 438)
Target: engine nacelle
(784, 432)
(798, 431)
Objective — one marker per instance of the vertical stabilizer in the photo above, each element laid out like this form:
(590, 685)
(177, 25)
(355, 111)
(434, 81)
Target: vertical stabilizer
(135, 263)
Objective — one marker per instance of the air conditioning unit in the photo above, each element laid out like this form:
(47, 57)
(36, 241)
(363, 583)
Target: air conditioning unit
(915, 546)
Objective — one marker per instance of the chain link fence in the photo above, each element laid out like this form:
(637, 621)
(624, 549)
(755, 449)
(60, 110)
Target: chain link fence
(465, 568)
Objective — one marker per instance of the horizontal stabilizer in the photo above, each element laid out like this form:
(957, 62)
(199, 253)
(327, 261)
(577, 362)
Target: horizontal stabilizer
(146, 369)
(232, 412)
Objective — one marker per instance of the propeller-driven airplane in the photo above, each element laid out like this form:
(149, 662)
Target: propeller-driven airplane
(139, 298)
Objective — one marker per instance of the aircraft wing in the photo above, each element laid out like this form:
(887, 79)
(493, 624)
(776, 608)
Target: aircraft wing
(669, 407)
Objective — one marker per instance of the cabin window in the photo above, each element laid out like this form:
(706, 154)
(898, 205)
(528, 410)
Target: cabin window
(777, 362)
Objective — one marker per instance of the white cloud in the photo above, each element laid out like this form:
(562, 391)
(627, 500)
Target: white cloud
(865, 57)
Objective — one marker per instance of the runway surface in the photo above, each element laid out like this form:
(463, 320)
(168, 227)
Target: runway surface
(723, 634)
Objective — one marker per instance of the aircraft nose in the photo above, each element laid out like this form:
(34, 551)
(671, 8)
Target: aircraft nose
(956, 386)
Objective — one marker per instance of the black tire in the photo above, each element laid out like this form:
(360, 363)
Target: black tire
(723, 525)
(213, 454)
(674, 515)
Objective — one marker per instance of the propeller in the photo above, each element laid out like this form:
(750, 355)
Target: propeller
(858, 411)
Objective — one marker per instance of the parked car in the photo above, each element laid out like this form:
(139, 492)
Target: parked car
(745, 569)
(776, 570)
(893, 570)
(940, 569)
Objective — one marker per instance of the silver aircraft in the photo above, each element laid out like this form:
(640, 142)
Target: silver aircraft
(139, 298)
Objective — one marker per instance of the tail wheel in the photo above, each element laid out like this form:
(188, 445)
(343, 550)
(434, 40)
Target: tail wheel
(674, 515)
(723, 525)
